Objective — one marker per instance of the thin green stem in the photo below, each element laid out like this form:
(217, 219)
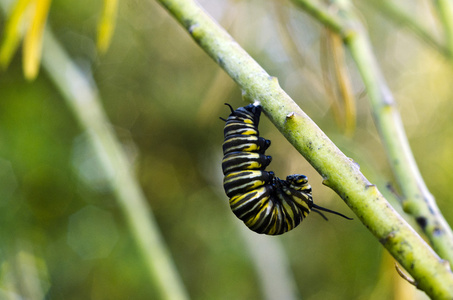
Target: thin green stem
(445, 11)
(332, 21)
(417, 200)
(339, 172)
(82, 97)
(398, 15)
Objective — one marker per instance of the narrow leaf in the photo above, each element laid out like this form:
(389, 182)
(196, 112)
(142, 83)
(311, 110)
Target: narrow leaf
(13, 32)
(106, 24)
(33, 39)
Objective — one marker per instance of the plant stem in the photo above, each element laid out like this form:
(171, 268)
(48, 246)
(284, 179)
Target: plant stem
(82, 97)
(445, 11)
(400, 16)
(417, 200)
(339, 172)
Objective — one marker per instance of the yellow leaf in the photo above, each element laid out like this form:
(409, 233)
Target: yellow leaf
(33, 38)
(344, 84)
(13, 32)
(106, 24)
(337, 81)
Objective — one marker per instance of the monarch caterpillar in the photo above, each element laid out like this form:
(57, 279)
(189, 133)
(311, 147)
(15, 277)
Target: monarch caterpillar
(264, 202)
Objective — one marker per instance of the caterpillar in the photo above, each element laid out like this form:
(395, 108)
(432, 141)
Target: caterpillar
(265, 203)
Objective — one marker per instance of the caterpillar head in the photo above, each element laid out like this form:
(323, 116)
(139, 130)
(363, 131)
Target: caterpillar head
(250, 112)
(299, 182)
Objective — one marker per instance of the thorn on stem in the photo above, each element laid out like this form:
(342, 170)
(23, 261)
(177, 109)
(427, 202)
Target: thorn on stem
(290, 115)
(404, 276)
(326, 181)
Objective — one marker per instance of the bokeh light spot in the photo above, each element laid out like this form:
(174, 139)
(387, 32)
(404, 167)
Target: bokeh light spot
(9, 182)
(89, 168)
(92, 233)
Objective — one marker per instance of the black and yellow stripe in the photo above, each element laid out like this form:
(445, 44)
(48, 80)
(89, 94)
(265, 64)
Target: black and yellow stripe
(236, 161)
(245, 143)
(265, 203)
(239, 182)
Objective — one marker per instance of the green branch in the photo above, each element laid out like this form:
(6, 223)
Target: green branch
(82, 97)
(445, 12)
(417, 200)
(400, 16)
(339, 172)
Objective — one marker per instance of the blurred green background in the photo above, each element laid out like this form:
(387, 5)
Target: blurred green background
(61, 227)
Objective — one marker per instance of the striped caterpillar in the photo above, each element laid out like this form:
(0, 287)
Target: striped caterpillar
(264, 202)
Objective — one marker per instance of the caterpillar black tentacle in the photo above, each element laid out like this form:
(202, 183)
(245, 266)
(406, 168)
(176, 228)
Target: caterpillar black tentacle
(264, 202)
(317, 209)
